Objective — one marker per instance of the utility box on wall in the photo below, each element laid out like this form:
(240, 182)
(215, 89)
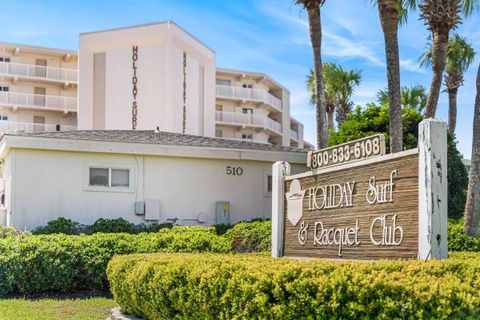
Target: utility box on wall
(152, 210)
(222, 212)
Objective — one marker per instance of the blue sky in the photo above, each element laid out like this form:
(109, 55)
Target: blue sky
(269, 36)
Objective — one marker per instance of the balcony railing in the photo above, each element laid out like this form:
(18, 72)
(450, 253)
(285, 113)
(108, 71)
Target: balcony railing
(293, 134)
(258, 95)
(246, 140)
(38, 101)
(39, 72)
(28, 127)
(256, 120)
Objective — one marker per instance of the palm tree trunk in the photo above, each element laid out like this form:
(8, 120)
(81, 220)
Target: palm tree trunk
(439, 55)
(342, 112)
(314, 21)
(330, 112)
(472, 207)
(388, 12)
(452, 109)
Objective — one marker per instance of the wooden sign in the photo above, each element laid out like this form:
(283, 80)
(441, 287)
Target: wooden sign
(387, 207)
(354, 211)
(372, 146)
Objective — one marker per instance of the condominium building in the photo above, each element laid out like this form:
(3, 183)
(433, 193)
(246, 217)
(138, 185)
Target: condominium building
(157, 130)
(253, 106)
(38, 89)
(154, 76)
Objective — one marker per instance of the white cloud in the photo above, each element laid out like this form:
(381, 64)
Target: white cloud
(342, 47)
(412, 66)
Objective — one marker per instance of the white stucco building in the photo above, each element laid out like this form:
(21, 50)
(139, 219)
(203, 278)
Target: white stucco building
(139, 124)
(141, 176)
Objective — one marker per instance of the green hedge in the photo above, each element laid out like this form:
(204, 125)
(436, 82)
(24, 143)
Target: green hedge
(255, 236)
(104, 225)
(45, 263)
(459, 241)
(249, 286)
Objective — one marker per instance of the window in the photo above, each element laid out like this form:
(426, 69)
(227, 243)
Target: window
(218, 133)
(267, 183)
(4, 88)
(108, 177)
(247, 111)
(248, 85)
(4, 59)
(3, 117)
(223, 82)
(247, 136)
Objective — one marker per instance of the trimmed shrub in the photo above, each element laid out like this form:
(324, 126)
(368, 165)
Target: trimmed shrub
(458, 240)
(253, 236)
(60, 225)
(219, 286)
(112, 226)
(105, 225)
(46, 263)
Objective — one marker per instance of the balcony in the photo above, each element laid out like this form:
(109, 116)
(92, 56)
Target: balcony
(251, 120)
(38, 101)
(28, 127)
(34, 72)
(256, 95)
(293, 135)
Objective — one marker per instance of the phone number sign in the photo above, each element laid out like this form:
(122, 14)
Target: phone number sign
(372, 146)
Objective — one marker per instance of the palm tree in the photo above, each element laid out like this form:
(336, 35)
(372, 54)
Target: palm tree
(460, 55)
(339, 85)
(349, 79)
(329, 90)
(472, 207)
(314, 22)
(414, 97)
(441, 16)
(392, 13)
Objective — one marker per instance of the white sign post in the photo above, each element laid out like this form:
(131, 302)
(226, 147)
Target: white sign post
(279, 171)
(433, 196)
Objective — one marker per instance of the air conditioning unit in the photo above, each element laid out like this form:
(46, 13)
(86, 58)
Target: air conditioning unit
(222, 212)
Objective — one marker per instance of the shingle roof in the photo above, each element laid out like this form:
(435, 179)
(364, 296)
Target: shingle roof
(160, 138)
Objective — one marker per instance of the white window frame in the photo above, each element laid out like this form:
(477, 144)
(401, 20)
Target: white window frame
(5, 59)
(266, 193)
(248, 85)
(95, 165)
(2, 88)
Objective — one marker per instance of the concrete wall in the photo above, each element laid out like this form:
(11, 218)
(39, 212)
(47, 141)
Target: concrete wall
(160, 80)
(44, 185)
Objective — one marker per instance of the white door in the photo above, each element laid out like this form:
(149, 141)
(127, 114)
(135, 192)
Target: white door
(38, 124)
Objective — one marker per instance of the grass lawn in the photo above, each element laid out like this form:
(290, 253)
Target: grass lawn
(53, 309)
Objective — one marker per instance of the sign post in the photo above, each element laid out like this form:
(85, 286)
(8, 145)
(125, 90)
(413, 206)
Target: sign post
(374, 207)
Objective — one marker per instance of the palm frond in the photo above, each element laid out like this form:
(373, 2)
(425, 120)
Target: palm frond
(470, 6)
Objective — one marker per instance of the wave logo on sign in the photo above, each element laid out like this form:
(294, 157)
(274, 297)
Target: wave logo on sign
(295, 202)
